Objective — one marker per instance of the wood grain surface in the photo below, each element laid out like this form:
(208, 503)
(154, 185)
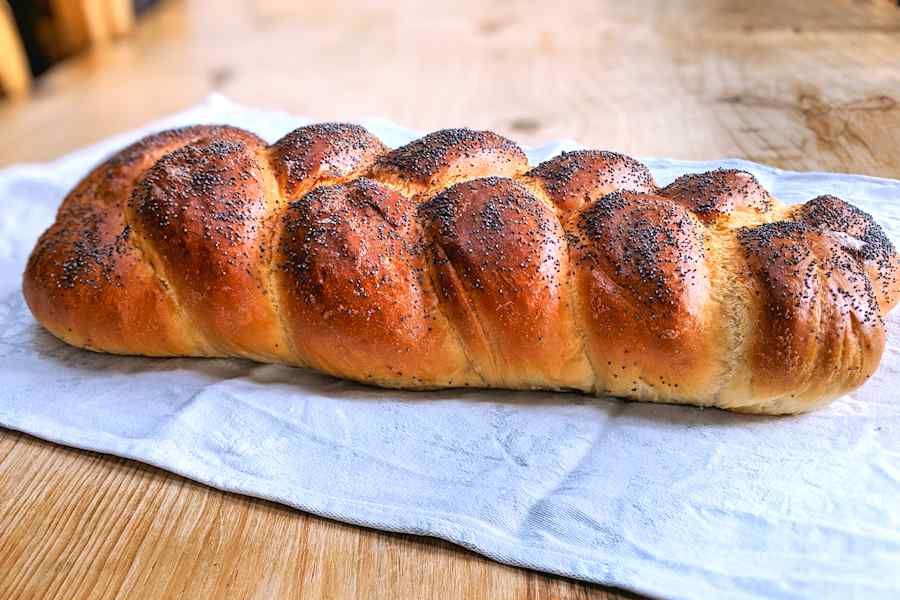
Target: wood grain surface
(802, 85)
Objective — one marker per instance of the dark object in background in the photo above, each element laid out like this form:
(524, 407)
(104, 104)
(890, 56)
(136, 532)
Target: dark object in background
(27, 13)
(45, 39)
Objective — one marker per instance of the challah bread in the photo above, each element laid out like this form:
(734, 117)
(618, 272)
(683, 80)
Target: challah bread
(451, 262)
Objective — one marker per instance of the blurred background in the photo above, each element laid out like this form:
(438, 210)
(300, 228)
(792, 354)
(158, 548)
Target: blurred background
(803, 85)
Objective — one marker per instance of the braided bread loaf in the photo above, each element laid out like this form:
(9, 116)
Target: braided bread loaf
(449, 262)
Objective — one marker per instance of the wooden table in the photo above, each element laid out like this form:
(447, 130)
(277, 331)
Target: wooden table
(799, 85)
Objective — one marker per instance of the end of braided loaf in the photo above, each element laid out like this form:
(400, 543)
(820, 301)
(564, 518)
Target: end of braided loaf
(451, 262)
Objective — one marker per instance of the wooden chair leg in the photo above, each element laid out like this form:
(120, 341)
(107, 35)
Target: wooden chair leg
(15, 75)
(96, 22)
(121, 16)
(90, 23)
(70, 25)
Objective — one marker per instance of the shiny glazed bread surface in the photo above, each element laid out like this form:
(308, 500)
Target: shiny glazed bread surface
(451, 262)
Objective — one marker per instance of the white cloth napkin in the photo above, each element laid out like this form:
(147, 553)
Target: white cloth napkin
(671, 501)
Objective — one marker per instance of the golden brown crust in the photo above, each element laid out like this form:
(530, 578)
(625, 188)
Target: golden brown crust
(86, 281)
(200, 209)
(500, 266)
(447, 156)
(718, 194)
(445, 263)
(357, 292)
(871, 245)
(642, 277)
(817, 319)
(322, 153)
(574, 179)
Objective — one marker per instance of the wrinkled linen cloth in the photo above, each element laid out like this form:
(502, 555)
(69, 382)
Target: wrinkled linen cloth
(671, 501)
